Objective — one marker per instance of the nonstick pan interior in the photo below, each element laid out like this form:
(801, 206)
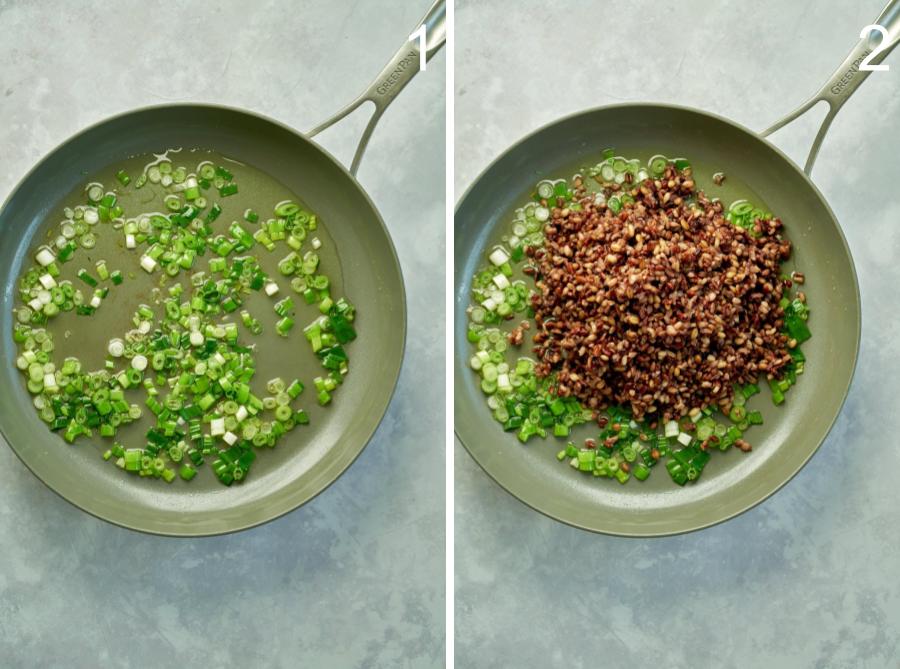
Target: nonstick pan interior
(732, 482)
(305, 461)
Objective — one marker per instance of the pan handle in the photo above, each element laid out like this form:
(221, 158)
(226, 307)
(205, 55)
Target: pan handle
(393, 78)
(848, 76)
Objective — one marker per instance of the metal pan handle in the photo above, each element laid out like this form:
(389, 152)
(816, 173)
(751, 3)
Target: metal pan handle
(848, 77)
(394, 77)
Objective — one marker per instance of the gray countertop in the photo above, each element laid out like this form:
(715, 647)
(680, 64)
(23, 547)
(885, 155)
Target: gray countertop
(355, 578)
(807, 579)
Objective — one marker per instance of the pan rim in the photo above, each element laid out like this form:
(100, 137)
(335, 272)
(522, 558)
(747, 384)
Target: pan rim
(857, 313)
(291, 505)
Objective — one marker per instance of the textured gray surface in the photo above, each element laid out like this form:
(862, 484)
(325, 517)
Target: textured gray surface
(806, 579)
(354, 579)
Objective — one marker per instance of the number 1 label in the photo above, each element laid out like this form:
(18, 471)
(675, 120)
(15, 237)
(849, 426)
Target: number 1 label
(420, 35)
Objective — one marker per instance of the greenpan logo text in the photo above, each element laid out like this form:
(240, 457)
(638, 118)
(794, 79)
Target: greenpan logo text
(841, 84)
(397, 73)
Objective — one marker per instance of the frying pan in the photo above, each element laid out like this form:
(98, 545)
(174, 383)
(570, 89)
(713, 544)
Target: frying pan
(301, 466)
(732, 482)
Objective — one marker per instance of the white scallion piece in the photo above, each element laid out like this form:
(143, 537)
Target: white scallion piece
(44, 256)
(671, 429)
(489, 304)
(241, 414)
(47, 281)
(217, 427)
(197, 338)
(545, 190)
(130, 241)
(542, 214)
(148, 263)
(684, 438)
(271, 288)
(116, 348)
(139, 362)
(503, 384)
(230, 438)
(95, 192)
(501, 281)
(316, 243)
(91, 217)
(95, 301)
(498, 256)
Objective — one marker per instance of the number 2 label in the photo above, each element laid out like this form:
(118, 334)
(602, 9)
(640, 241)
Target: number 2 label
(865, 66)
(419, 34)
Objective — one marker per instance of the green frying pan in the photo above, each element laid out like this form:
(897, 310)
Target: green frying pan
(305, 462)
(732, 482)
